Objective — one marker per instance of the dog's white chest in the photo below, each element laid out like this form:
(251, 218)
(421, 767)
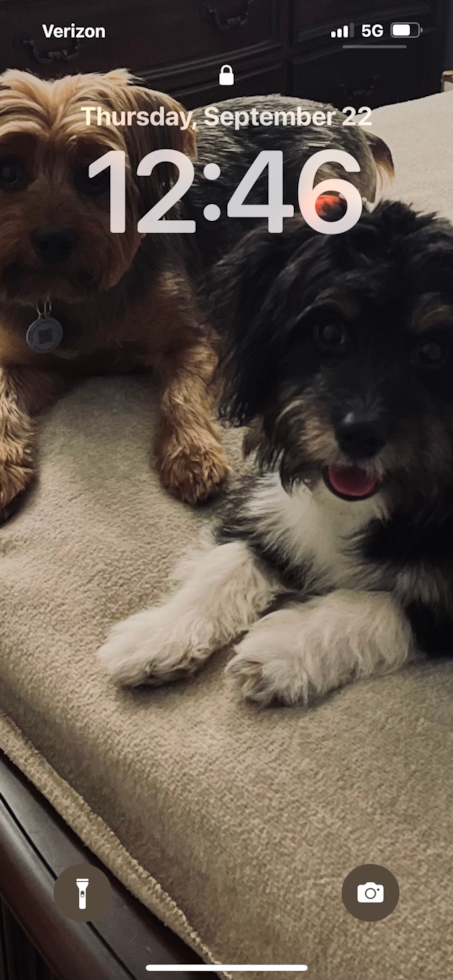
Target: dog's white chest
(318, 530)
(330, 529)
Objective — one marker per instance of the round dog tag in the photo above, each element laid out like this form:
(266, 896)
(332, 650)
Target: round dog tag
(44, 334)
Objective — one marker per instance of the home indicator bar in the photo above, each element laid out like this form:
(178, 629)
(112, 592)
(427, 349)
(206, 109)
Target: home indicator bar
(225, 966)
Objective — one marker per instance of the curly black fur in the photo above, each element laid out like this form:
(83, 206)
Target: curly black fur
(388, 285)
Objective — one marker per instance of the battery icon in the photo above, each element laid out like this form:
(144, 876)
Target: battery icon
(411, 29)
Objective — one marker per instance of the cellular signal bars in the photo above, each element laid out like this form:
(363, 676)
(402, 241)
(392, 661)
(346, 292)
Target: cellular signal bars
(346, 31)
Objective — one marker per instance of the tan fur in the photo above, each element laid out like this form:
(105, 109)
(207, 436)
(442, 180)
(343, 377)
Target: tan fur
(23, 392)
(187, 441)
(382, 156)
(118, 311)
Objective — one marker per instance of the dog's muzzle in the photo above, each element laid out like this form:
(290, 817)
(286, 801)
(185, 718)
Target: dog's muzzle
(54, 245)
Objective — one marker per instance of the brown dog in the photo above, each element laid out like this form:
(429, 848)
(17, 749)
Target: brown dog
(121, 305)
(125, 300)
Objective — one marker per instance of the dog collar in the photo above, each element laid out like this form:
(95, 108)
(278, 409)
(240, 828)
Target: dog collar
(45, 333)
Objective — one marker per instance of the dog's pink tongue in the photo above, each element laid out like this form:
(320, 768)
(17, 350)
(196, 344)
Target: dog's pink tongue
(351, 480)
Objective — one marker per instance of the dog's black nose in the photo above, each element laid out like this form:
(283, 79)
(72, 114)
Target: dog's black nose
(361, 439)
(54, 244)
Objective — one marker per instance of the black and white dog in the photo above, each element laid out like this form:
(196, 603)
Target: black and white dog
(336, 559)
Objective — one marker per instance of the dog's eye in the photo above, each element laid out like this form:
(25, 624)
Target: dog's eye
(331, 336)
(11, 174)
(99, 184)
(432, 354)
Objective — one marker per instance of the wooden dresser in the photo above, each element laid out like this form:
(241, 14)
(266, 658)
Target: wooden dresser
(272, 45)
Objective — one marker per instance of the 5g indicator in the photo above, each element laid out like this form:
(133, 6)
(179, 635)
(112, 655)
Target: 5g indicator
(400, 30)
(372, 30)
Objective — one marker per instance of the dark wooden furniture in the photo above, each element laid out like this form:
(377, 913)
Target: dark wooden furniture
(36, 941)
(272, 45)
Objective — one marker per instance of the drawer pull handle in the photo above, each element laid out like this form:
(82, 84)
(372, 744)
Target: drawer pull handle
(47, 57)
(222, 21)
(359, 94)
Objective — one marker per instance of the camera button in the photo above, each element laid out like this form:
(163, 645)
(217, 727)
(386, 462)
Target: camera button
(370, 892)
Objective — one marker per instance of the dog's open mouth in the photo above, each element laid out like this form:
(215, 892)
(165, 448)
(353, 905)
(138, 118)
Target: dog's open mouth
(350, 482)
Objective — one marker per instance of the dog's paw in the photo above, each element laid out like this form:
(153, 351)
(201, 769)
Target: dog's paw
(268, 680)
(195, 471)
(152, 647)
(306, 650)
(281, 660)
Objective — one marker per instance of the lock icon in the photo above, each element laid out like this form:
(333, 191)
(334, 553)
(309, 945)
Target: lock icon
(226, 76)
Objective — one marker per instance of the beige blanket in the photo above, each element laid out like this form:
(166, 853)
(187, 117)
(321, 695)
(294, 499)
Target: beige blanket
(237, 827)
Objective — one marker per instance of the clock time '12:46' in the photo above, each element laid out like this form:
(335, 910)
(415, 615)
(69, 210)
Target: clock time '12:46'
(275, 210)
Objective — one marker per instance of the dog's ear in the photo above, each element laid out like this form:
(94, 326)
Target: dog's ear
(169, 135)
(171, 132)
(256, 291)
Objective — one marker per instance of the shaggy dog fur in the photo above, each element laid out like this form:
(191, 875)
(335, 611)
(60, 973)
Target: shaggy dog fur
(125, 301)
(336, 558)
